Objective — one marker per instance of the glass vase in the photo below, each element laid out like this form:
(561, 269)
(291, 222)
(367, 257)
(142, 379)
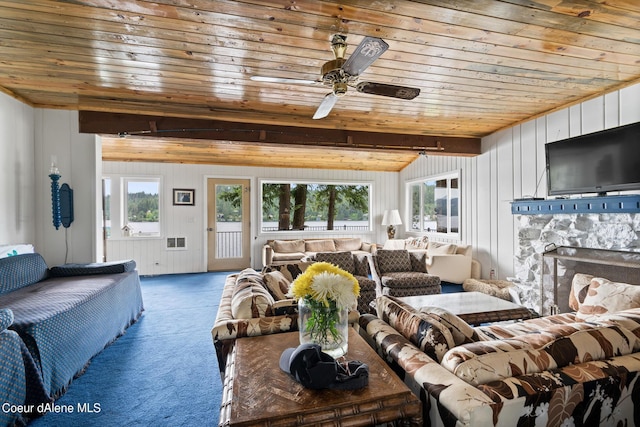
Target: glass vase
(325, 326)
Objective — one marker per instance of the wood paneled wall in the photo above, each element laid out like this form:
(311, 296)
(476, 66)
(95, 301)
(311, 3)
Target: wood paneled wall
(183, 221)
(512, 165)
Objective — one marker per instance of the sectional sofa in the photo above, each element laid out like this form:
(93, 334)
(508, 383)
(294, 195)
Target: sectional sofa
(578, 368)
(64, 316)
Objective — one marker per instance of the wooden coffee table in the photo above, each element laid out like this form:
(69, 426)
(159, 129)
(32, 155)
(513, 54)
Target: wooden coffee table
(474, 308)
(260, 394)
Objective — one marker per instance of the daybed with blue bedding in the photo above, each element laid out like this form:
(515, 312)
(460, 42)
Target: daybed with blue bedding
(68, 314)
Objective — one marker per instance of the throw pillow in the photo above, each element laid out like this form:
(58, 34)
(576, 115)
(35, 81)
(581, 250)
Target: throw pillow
(605, 296)
(421, 242)
(460, 330)
(348, 244)
(290, 271)
(277, 284)
(286, 246)
(361, 262)
(250, 297)
(579, 287)
(319, 246)
(418, 261)
(436, 248)
(344, 260)
(393, 260)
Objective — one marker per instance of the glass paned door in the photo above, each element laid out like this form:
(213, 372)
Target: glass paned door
(228, 232)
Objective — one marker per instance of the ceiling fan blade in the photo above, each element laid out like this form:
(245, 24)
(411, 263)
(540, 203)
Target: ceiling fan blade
(369, 49)
(325, 106)
(285, 80)
(393, 91)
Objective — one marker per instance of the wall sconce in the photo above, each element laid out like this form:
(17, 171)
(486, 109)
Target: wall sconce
(61, 198)
(391, 218)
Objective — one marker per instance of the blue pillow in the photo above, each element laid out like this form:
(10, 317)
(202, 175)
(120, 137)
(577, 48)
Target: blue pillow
(21, 270)
(113, 267)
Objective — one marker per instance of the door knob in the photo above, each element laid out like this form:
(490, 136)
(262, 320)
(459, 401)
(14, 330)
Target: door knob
(210, 229)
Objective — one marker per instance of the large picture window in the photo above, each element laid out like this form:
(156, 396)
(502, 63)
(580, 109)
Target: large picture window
(434, 204)
(313, 206)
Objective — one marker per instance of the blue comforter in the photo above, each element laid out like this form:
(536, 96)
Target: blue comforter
(65, 321)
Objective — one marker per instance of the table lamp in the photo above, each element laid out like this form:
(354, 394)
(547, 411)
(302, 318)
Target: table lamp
(391, 218)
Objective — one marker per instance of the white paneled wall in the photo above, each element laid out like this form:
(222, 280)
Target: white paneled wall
(190, 221)
(17, 185)
(512, 165)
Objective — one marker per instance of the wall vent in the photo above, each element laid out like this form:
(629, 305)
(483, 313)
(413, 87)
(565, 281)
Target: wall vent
(176, 243)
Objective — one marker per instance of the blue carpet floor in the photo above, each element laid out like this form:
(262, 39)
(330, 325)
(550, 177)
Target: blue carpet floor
(163, 370)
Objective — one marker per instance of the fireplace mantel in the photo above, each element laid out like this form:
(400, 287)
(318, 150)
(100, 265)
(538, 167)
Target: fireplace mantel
(602, 204)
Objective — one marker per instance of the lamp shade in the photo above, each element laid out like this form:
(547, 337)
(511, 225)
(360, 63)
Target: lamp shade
(391, 217)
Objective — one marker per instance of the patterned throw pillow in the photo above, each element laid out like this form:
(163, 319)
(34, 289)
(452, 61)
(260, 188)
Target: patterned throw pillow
(579, 287)
(393, 260)
(250, 297)
(417, 242)
(605, 296)
(344, 260)
(290, 271)
(277, 284)
(460, 330)
(418, 261)
(361, 262)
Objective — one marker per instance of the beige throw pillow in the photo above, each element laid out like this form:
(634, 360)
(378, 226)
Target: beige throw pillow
(605, 296)
(436, 248)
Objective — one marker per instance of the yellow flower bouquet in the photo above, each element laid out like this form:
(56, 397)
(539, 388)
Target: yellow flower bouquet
(325, 293)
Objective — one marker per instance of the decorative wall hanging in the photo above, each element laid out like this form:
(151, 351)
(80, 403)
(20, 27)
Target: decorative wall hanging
(184, 197)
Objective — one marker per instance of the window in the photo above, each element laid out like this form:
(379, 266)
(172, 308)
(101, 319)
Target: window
(141, 205)
(131, 206)
(314, 206)
(435, 204)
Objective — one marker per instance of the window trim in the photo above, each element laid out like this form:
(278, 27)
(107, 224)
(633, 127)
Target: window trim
(262, 181)
(455, 174)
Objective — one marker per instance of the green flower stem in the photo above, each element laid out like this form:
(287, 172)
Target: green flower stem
(322, 322)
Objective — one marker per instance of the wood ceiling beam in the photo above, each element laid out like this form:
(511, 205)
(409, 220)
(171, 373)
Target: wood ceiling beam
(216, 130)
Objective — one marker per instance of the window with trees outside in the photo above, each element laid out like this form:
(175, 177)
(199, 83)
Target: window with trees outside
(314, 206)
(131, 207)
(434, 204)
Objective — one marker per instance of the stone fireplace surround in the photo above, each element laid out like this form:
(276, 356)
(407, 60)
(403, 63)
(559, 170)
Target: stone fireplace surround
(538, 233)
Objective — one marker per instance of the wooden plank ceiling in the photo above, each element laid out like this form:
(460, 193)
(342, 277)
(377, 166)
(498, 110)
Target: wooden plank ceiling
(481, 65)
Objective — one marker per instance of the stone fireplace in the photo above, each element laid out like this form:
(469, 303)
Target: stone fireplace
(538, 233)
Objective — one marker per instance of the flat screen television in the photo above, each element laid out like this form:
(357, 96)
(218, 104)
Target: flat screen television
(598, 162)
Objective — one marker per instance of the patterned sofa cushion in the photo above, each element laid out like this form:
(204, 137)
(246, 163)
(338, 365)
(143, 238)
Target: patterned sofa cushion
(114, 267)
(250, 297)
(604, 296)
(410, 279)
(22, 270)
(6, 318)
(461, 331)
(481, 363)
(390, 261)
(344, 260)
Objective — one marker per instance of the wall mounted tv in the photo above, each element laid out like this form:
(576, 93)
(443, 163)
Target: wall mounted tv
(598, 162)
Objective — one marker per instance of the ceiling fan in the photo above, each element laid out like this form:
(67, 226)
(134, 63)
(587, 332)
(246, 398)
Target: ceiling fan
(341, 73)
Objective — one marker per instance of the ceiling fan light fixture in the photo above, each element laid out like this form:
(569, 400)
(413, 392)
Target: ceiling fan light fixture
(340, 88)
